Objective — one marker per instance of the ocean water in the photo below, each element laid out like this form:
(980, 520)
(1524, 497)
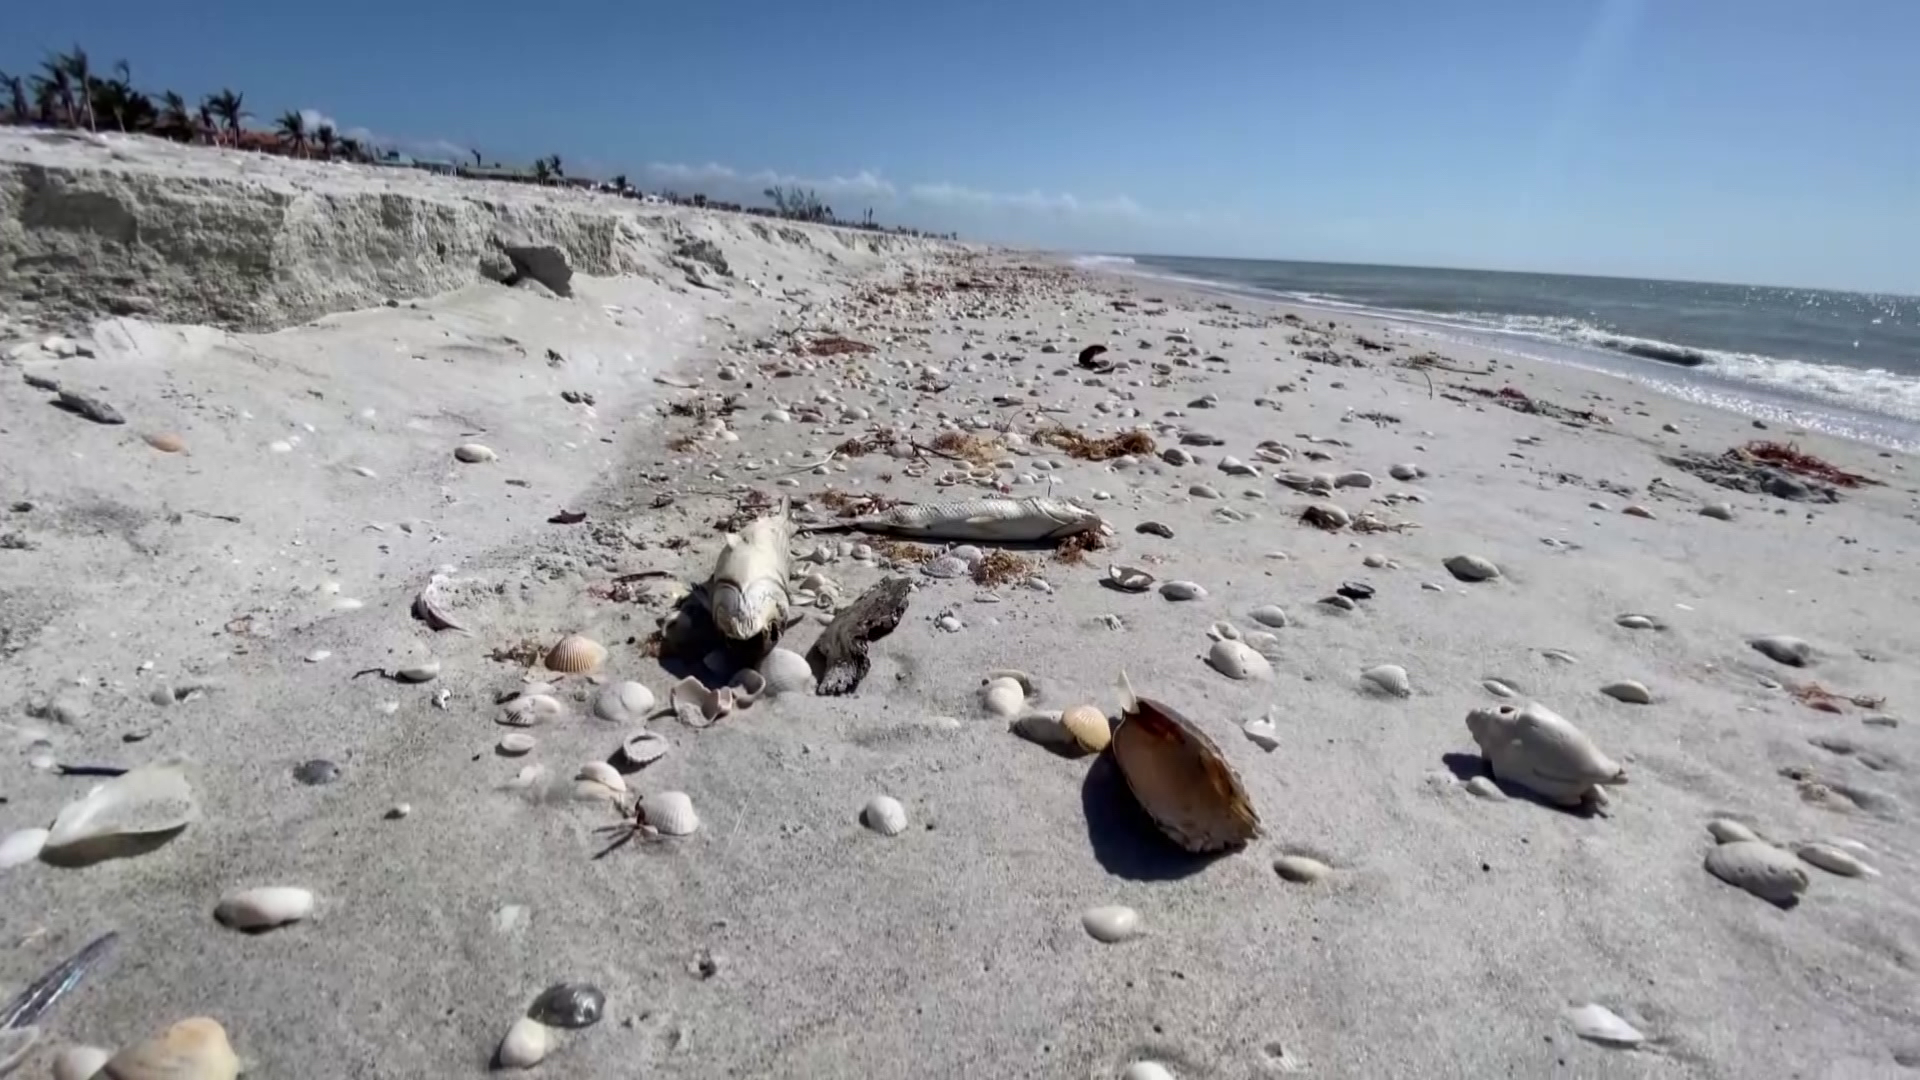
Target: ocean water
(1848, 363)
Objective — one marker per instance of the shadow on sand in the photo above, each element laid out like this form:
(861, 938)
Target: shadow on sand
(1465, 767)
(1125, 840)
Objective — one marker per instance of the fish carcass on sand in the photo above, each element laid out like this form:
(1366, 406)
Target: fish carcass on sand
(747, 594)
(1005, 521)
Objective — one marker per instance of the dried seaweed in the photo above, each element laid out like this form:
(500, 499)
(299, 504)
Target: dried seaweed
(1079, 445)
(835, 345)
(526, 652)
(1519, 401)
(1002, 567)
(1790, 457)
(1074, 548)
(903, 552)
(973, 449)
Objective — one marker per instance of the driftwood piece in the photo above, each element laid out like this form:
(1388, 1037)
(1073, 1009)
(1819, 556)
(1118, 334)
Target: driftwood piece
(839, 657)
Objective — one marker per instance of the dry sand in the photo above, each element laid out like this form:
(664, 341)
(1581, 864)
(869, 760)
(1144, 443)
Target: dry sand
(785, 939)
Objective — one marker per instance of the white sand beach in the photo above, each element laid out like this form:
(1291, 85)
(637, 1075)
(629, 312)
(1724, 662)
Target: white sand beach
(321, 346)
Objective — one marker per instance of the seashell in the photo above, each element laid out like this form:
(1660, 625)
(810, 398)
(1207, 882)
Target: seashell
(1326, 516)
(1268, 615)
(474, 453)
(264, 908)
(1406, 472)
(1627, 690)
(884, 815)
(1498, 688)
(1088, 726)
(569, 1005)
(1223, 631)
(1155, 528)
(418, 673)
(1262, 733)
(1718, 511)
(131, 812)
(669, 812)
(1301, 869)
(599, 780)
(528, 1042)
(1599, 1024)
(1146, 1070)
(1003, 696)
(944, 566)
(1638, 622)
(80, 1062)
(1485, 788)
(1182, 590)
(576, 654)
(1834, 860)
(195, 1049)
(515, 743)
(21, 847)
(1355, 479)
(747, 687)
(1111, 924)
(697, 705)
(1233, 466)
(1538, 749)
(1204, 491)
(528, 710)
(1180, 778)
(1760, 868)
(1237, 660)
(1390, 678)
(1728, 831)
(166, 442)
(623, 702)
(1129, 579)
(643, 748)
(1471, 568)
(1790, 651)
(427, 608)
(786, 672)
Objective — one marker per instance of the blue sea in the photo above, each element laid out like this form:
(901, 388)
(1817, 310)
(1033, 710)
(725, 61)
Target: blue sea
(1842, 362)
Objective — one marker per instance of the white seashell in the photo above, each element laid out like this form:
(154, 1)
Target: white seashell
(474, 453)
(1301, 869)
(1498, 688)
(1535, 747)
(1182, 590)
(428, 609)
(1727, 831)
(1269, 615)
(264, 908)
(884, 815)
(1129, 579)
(1597, 1023)
(1237, 660)
(528, 1042)
(80, 1062)
(418, 673)
(1627, 690)
(530, 709)
(195, 1049)
(1790, 651)
(1263, 734)
(1003, 696)
(1090, 728)
(1146, 1070)
(1111, 924)
(786, 672)
(643, 748)
(317, 655)
(1638, 622)
(576, 654)
(1406, 472)
(1471, 568)
(1390, 678)
(1486, 789)
(623, 702)
(515, 743)
(1760, 868)
(1834, 860)
(21, 847)
(599, 780)
(1354, 479)
(669, 812)
(144, 804)
(1223, 631)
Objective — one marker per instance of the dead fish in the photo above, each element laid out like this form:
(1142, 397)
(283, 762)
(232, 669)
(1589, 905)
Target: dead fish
(980, 520)
(1180, 777)
(747, 593)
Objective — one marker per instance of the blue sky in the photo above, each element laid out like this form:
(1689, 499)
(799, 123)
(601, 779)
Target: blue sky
(1773, 141)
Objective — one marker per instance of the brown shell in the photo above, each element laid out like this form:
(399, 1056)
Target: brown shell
(195, 1049)
(576, 654)
(166, 442)
(1181, 779)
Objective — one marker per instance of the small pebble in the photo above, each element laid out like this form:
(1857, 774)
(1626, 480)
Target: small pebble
(1301, 869)
(316, 772)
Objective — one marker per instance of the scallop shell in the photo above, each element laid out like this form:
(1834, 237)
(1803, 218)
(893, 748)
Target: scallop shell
(1238, 660)
(515, 743)
(474, 453)
(576, 654)
(527, 1043)
(786, 672)
(264, 908)
(80, 1063)
(195, 1049)
(1180, 777)
(127, 813)
(884, 815)
(1111, 924)
(1088, 726)
(1727, 831)
(1471, 568)
(1388, 678)
(1627, 690)
(166, 442)
(1834, 860)
(1129, 579)
(623, 702)
(669, 812)
(1599, 1024)
(1182, 590)
(528, 710)
(1301, 869)
(1535, 747)
(1760, 868)
(643, 748)
(599, 780)
(1003, 696)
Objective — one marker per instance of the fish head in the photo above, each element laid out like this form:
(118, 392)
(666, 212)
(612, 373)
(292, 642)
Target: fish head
(745, 612)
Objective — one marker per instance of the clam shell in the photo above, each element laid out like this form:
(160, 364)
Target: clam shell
(1129, 579)
(1599, 1024)
(1834, 860)
(80, 1062)
(643, 748)
(599, 780)
(1627, 690)
(884, 815)
(1535, 747)
(1388, 678)
(1181, 779)
(569, 1005)
(1182, 590)
(528, 710)
(125, 813)
(1760, 868)
(474, 453)
(21, 847)
(1727, 831)
(1779, 648)
(1637, 622)
(669, 812)
(1238, 660)
(786, 672)
(576, 654)
(426, 671)
(1355, 479)
(527, 1043)
(1111, 924)
(195, 1049)
(166, 442)
(1146, 1070)
(1088, 726)
(1269, 615)
(1301, 869)
(264, 908)
(515, 743)
(623, 702)
(1471, 568)
(1029, 685)
(1003, 696)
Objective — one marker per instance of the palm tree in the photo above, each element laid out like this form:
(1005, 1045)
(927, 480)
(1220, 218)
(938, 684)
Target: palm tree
(476, 158)
(80, 71)
(293, 128)
(620, 182)
(19, 111)
(208, 130)
(55, 86)
(351, 150)
(542, 171)
(327, 139)
(130, 109)
(227, 105)
(555, 164)
(174, 121)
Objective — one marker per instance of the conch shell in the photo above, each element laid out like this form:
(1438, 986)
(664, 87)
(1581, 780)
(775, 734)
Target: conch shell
(747, 593)
(1537, 748)
(1180, 777)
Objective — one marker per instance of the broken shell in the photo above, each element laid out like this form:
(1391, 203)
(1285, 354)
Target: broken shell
(527, 1044)
(1180, 778)
(165, 441)
(264, 908)
(1389, 678)
(884, 815)
(528, 710)
(1237, 660)
(418, 673)
(515, 743)
(1269, 615)
(1301, 869)
(128, 813)
(599, 780)
(1471, 568)
(1728, 831)
(427, 608)
(1834, 860)
(1535, 747)
(1263, 734)
(1599, 1024)
(1182, 590)
(1129, 579)
(80, 1063)
(576, 654)
(623, 702)
(1627, 690)
(474, 453)
(643, 748)
(1088, 726)
(195, 1049)
(1111, 924)
(1003, 696)
(669, 812)
(786, 672)
(697, 705)
(1760, 868)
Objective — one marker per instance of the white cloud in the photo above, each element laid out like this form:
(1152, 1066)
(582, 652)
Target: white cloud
(315, 120)
(726, 182)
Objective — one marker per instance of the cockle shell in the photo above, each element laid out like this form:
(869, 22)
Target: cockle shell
(474, 453)
(1388, 678)
(80, 1063)
(528, 710)
(127, 813)
(264, 908)
(643, 748)
(786, 672)
(576, 654)
(1834, 860)
(1180, 777)
(1760, 868)
(1110, 924)
(1088, 726)
(527, 1043)
(1535, 747)
(623, 702)
(884, 815)
(1238, 660)
(669, 812)
(165, 441)
(195, 1049)
(599, 780)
